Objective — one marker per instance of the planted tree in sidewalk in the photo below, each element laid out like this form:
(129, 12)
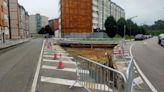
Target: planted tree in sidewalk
(110, 25)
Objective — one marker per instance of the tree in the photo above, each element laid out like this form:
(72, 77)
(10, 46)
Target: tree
(49, 30)
(46, 30)
(110, 25)
(134, 29)
(42, 31)
(120, 26)
(129, 24)
(159, 24)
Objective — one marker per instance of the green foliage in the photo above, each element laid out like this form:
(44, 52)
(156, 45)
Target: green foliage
(110, 25)
(46, 30)
(121, 26)
(155, 29)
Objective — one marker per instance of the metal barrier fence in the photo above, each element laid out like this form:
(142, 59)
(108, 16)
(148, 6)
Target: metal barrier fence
(130, 77)
(96, 77)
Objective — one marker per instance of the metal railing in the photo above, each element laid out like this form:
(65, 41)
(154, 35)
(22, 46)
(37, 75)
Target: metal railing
(96, 77)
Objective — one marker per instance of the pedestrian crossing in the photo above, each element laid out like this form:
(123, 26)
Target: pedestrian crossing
(138, 81)
(51, 76)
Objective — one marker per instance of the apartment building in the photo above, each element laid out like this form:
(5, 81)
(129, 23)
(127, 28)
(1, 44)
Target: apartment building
(116, 11)
(36, 22)
(14, 19)
(27, 23)
(95, 14)
(23, 22)
(4, 32)
(91, 18)
(75, 18)
(109, 8)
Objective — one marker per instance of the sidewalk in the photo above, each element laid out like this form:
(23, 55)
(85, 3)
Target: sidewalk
(9, 43)
(122, 65)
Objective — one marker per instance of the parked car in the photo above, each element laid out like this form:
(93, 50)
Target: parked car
(139, 37)
(147, 36)
(162, 42)
(160, 38)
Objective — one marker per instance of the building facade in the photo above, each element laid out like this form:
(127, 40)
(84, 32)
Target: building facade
(4, 32)
(108, 8)
(54, 25)
(75, 17)
(14, 19)
(91, 18)
(27, 24)
(36, 22)
(23, 22)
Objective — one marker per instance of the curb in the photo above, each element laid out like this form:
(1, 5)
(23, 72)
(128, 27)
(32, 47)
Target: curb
(8, 46)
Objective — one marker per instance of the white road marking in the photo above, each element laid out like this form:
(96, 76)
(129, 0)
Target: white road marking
(59, 81)
(70, 82)
(145, 78)
(65, 69)
(65, 54)
(63, 57)
(56, 61)
(33, 88)
(142, 74)
(59, 51)
(138, 80)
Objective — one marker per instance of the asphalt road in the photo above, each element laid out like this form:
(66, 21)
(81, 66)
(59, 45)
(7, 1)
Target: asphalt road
(18, 65)
(150, 58)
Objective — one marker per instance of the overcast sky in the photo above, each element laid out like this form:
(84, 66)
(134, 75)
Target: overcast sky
(147, 10)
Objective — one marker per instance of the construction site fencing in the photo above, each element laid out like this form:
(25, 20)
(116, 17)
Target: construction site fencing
(96, 77)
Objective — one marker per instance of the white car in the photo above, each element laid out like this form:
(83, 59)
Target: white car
(161, 39)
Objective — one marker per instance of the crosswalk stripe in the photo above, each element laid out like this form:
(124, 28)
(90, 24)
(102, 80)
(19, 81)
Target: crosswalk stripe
(61, 51)
(138, 80)
(64, 57)
(70, 82)
(65, 69)
(65, 54)
(56, 61)
(59, 81)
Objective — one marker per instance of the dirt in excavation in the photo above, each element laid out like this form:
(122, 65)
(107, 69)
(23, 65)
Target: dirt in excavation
(96, 54)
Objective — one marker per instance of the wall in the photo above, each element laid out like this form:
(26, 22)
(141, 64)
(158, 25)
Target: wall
(76, 16)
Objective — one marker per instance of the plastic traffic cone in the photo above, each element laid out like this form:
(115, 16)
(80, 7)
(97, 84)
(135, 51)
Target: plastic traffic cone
(55, 56)
(60, 64)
